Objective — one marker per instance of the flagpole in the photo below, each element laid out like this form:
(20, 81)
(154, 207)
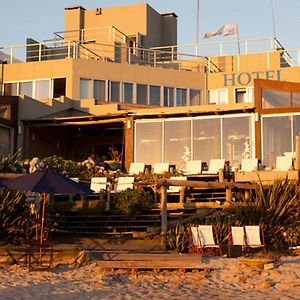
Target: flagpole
(238, 36)
(197, 28)
(273, 23)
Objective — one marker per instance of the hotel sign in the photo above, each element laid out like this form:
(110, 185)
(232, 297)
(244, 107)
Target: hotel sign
(244, 78)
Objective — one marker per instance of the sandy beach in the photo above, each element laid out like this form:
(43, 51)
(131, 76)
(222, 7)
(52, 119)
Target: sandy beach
(229, 279)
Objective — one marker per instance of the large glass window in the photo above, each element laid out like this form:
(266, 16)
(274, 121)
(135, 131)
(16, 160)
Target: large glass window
(296, 99)
(177, 142)
(168, 96)
(99, 90)
(115, 91)
(25, 88)
(206, 139)
(237, 139)
(273, 98)
(180, 97)
(195, 97)
(142, 94)
(5, 140)
(277, 138)
(154, 95)
(42, 89)
(148, 142)
(11, 89)
(127, 92)
(85, 88)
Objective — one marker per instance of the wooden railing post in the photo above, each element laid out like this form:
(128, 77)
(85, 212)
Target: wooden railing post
(297, 162)
(181, 195)
(164, 212)
(228, 195)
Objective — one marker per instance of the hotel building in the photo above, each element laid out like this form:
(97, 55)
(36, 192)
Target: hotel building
(116, 77)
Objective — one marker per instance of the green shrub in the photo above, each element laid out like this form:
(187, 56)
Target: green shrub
(132, 202)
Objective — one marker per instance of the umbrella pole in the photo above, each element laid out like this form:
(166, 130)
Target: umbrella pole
(42, 227)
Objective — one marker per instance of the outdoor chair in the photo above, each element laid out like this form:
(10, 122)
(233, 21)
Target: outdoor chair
(98, 184)
(236, 239)
(204, 241)
(193, 167)
(214, 166)
(176, 189)
(249, 165)
(253, 236)
(136, 168)
(160, 168)
(194, 239)
(284, 163)
(124, 183)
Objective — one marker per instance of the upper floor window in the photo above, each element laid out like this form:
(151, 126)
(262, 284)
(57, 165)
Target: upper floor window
(168, 96)
(181, 97)
(218, 96)
(25, 88)
(244, 95)
(42, 89)
(99, 90)
(195, 97)
(141, 94)
(127, 92)
(154, 95)
(86, 88)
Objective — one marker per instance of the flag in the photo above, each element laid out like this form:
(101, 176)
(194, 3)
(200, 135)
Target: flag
(226, 30)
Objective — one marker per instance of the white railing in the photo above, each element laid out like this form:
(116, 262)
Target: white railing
(50, 50)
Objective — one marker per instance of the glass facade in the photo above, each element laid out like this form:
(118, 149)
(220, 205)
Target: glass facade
(142, 94)
(42, 89)
(148, 142)
(196, 139)
(115, 91)
(86, 88)
(154, 95)
(99, 90)
(127, 92)
(273, 98)
(25, 88)
(5, 140)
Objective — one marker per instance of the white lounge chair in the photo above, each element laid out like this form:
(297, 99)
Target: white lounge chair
(206, 236)
(195, 244)
(124, 183)
(252, 235)
(173, 188)
(193, 167)
(214, 166)
(98, 184)
(249, 165)
(160, 168)
(136, 168)
(237, 236)
(284, 163)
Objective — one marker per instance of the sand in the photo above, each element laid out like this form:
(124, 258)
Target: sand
(229, 279)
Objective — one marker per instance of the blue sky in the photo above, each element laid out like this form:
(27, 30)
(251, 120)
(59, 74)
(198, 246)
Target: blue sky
(40, 18)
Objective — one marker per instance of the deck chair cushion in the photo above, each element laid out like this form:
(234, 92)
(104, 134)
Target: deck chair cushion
(214, 166)
(136, 168)
(249, 164)
(98, 184)
(195, 236)
(175, 189)
(160, 168)
(193, 167)
(125, 183)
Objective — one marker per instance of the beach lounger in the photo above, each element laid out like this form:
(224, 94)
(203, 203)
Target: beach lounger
(160, 168)
(98, 184)
(253, 235)
(124, 183)
(204, 240)
(193, 167)
(284, 163)
(176, 189)
(236, 240)
(136, 168)
(249, 165)
(194, 239)
(214, 166)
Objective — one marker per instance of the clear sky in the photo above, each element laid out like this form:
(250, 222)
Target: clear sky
(40, 18)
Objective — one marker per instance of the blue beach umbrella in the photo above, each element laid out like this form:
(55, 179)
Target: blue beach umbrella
(46, 182)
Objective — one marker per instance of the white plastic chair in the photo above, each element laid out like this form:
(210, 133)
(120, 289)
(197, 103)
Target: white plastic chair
(124, 183)
(175, 189)
(98, 184)
(249, 165)
(193, 167)
(283, 163)
(136, 168)
(214, 166)
(160, 168)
